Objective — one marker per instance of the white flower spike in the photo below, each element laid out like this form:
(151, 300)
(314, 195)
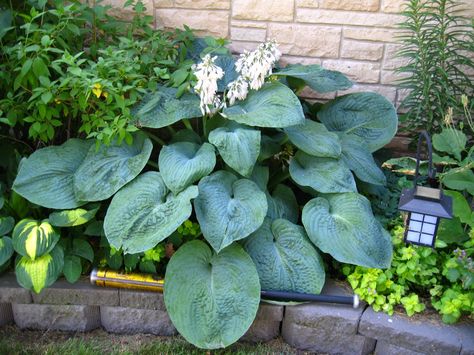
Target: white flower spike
(208, 74)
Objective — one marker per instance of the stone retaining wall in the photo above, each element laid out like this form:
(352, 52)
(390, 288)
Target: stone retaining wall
(327, 328)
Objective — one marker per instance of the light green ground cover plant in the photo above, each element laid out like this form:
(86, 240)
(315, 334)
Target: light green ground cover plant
(232, 151)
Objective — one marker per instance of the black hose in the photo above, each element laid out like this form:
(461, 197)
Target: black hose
(305, 297)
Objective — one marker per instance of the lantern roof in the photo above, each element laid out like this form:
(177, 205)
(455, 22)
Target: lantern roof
(426, 200)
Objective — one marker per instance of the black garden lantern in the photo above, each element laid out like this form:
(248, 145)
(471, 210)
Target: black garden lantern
(425, 205)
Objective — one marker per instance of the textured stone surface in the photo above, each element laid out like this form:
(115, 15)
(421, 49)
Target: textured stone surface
(10, 291)
(202, 4)
(56, 317)
(290, 59)
(213, 22)
(307, 3)
(248, 34)
(6, 314)
(390, 77)
(423, 335)
(133, 320)
(266, 325)
(395, 6)
(361, 72)
(465, 332)
(384, 348)
(356, 5)
(336, 17)
(361, 50)
(142, 299)
(265, 10)
(391, 61)
(249, 24)
(80, 293)
(370, 34)
(294, 39)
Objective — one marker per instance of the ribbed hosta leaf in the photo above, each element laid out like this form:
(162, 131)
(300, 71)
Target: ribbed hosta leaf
(238, 145)
(228, 209)
(316, 77)
(343, 225)
(161, 108)
(282, 204)
(183, 163)
(359, 159)
(314, 138)
(212, 299)
(285, 258)
(260, 176)
(325, 175)
(71, 218)
(367, 115)
(273, 105)
(186, 135)
(104, 172)
(46, 176)
(37, 274)
(227, 63)
(6, 225)
(33, 238)
(144, 213)
(6, 249)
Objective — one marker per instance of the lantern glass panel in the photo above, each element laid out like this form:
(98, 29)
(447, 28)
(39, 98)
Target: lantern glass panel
(416, 217)
(421, 229)
(426, 239)
(431, 219)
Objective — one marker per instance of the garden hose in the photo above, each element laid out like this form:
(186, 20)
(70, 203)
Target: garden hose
(148, 282)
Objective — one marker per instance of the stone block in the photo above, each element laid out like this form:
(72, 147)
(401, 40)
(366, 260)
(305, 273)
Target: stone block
(391, 61)
(79, 293)
(389, 92)
(465, 332)
(390, 77)
(360, 72)
(291, 59)
(263, 10)
(248, 34)
(306, 40)
(248, 24)
(125, 320)
(142, 299)
(336, 17)
(394, 6)
(361, 50)
(427, 335)
(384, 348)
(307, 3)
(11, 292)
(370, 34)
(241, 46)
(203, 4)
(6, 314)
(56, 317)
(212, 22)
(266, 325)
(353, 5)
(310, 94)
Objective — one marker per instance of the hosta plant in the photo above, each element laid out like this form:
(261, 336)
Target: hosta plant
(240, 147)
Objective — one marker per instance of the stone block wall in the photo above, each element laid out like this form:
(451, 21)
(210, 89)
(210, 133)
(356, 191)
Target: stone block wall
(356, 37)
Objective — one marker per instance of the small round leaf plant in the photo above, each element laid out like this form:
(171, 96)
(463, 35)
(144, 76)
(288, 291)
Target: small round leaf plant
(245, 153)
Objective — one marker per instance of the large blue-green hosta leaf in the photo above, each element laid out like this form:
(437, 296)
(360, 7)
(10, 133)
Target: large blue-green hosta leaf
(313, 138)
(161, 108)
(343, 225)
(33, 238)
(273, 105)
(359, 159)
(183, 163)
(227, 63)
(212, 299)
(238, 145)
(260, 176)
(6, 225)
(228, 209)
(144, 213)
(72, 218)
(46, 176)
(104, 172)
(42, 272)
(367, 115)
(282, 204)
(285, 258)
(6, 250)
(316, 77)
(325, 175)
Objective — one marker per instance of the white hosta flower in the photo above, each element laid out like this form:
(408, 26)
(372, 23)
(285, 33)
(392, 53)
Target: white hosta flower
(207, 74)
(238, 90)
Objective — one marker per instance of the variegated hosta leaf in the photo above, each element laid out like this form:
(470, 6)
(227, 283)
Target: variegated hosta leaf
(228, 209)
(359, 159)
(40, 273)
(183, 163)
(314, 138)
(325, 175)
(144, 213)
(316, 77)
(72, 218)
(238, 145)
(161, 108)
(104, 172)
(212, 299)
(33, 238)
(273, 105)
(6, 225)
(46, 176)
(282, 204)
(285, 258)
(367, 115)
(343, 225)
(6, 249)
